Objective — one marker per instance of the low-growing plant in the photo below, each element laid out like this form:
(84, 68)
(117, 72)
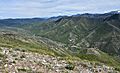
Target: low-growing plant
(70, 66)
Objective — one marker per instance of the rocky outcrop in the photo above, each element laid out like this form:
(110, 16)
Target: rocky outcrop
(22, 61)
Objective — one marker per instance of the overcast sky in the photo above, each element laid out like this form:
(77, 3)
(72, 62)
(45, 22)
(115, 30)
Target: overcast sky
(49, 8)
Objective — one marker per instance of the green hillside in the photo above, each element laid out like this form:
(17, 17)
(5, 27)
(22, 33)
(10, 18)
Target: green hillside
(89, 37)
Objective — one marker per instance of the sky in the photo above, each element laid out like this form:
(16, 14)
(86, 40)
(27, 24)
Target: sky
(49, 8)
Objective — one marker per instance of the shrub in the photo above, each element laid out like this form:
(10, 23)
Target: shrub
(22, 69)
(22, 56)
(70, 67)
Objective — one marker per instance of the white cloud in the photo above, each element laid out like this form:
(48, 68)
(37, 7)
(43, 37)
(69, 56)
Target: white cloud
(47, 8)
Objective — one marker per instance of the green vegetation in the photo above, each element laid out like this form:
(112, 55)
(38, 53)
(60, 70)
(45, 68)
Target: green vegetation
(83, 32)
(23, 69)
(33, 46)
(43, 49)
(103, 58)
(1, 55)
(70, 67)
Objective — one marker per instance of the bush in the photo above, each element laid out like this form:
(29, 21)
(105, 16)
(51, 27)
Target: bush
(22, 70)
(70, 67)
(22, 56)
(117, 68)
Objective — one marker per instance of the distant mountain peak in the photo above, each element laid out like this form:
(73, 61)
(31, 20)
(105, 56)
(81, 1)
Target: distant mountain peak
(118, 11)
(115, 12)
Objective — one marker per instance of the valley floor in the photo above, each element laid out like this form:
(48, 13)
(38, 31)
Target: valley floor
(22, 61)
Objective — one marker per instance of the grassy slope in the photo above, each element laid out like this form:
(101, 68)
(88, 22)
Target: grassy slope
(64, 28)
(84, 27)
(93, 31)
(6, 41)
(43, 49)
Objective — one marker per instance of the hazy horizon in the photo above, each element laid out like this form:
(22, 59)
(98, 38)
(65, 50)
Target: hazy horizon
(50, 8)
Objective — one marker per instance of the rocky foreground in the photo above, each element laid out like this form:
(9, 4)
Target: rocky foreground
(21, 61)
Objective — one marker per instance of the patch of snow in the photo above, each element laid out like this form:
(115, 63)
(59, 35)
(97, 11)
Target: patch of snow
(118, 11)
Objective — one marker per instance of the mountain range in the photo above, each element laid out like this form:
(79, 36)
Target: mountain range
(86, 36)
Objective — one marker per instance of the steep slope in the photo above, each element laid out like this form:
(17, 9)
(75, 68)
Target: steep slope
(83, 31)
(9, 37)
(93, 37)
